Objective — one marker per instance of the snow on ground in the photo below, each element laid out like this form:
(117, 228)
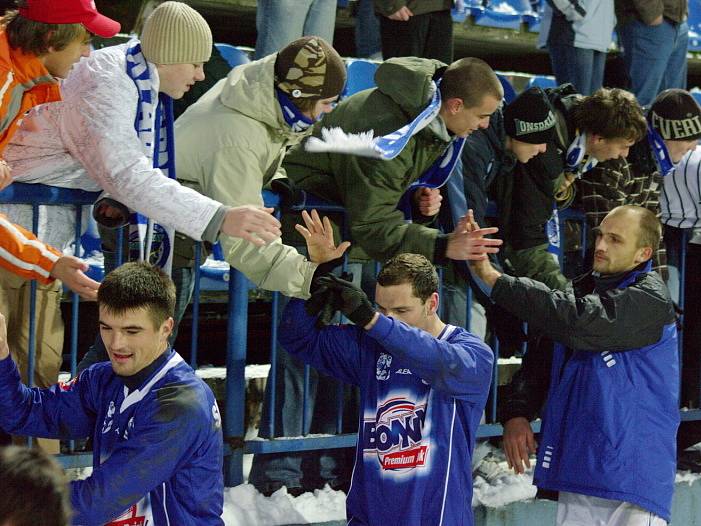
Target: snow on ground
(243, 505)
(494, 486)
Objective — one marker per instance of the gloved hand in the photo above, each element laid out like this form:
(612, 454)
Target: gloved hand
(321, 304)
(349, 299)
(291, 197)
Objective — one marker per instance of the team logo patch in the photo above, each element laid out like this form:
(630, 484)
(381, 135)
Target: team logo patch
(395, 434)
(382, 369)
(109, 418)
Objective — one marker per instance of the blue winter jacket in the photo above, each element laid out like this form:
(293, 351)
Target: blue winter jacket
(157, 449)
(421, 402)
(611, 416)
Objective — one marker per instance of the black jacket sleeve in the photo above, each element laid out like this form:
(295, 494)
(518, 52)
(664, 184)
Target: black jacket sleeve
(525, 394)
(616, 320)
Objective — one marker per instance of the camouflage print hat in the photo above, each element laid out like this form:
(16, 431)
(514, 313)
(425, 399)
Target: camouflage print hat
(309, 68)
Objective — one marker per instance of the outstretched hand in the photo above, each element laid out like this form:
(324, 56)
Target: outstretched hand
(319, 237)
(252, 223)
(468, 241)
(71, 272)
(480, 266)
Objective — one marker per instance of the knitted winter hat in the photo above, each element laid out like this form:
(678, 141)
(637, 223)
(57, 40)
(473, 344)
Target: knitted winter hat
(676, 115)
(529, 118)
(176, 34)
(310, 68)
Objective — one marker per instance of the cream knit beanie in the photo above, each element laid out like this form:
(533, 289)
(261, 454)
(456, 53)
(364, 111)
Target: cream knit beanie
(176, 34)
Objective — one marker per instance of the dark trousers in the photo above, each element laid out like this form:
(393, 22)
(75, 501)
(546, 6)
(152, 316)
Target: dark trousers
(427, 36)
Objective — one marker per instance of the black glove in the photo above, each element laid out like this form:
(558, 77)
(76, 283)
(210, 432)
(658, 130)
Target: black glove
(291, 197)
(324, 269)
(114, 220)
(321, 304)
(349, 299)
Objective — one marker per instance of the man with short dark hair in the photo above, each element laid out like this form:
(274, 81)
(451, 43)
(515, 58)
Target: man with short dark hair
(34, 489)
(610, 386)
(423, 387)
(423, 110)
(156, 428)
(589, 130)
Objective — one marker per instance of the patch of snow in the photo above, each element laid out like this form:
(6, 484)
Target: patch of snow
(504, 8)
(243, 505)
(252, 371)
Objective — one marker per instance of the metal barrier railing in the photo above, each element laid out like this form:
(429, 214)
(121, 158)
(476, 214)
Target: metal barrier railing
(236, 349)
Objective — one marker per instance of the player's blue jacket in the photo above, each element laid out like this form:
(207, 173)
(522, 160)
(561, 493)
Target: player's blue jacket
(421, 402)
(157, 444)
(612, 411)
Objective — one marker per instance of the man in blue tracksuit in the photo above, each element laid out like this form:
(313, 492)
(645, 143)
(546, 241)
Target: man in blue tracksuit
(423, 387)
(611, 395)
(156, 429)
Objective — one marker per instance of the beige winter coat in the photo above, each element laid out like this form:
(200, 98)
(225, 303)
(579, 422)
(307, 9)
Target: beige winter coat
(229, 145)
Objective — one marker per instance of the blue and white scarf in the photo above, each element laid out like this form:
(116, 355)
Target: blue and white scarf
(294, 118)
(660, 152)
(389, 146)
(578, 161)
(154, 126)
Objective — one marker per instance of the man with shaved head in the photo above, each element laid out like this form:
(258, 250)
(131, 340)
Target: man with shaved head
(610, 385)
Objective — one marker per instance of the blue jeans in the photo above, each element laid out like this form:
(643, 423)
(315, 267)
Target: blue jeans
(367, 30)
(655, 57)
(272, 471)
(279, 22)
(583, 68)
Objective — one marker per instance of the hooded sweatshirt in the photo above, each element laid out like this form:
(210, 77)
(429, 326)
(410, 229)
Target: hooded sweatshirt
(229, 145)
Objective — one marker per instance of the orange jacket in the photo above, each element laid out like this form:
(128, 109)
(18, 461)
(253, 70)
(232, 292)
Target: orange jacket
(23, 254)
(24, 83)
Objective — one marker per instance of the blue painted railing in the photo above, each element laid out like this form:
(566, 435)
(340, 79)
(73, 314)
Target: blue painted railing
(234, 409)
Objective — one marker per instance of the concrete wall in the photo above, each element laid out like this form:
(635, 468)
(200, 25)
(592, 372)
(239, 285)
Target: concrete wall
(686, 511)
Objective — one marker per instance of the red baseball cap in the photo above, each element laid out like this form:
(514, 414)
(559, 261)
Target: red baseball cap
(70, 12)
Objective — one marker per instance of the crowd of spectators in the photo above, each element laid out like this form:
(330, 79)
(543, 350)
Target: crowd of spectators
(433, 170)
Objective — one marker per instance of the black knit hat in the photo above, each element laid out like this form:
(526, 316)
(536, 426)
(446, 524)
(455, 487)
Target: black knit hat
(676, 115)
(529, 118)
(309, 68)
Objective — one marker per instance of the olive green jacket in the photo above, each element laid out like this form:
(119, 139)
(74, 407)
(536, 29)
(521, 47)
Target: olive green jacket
(229, 145)
(370, 189)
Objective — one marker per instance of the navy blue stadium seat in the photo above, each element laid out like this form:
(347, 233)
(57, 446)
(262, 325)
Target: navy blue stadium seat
(696, 95)
(361, 76)
(233, 55)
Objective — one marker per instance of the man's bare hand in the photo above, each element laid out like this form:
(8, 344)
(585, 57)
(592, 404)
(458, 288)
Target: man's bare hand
(403, 14)
(319, 237)
(519, 443)
(5, 174)
(4, 349)
(657, 21)
(428, 200)
(71, 272)
(252, 223)
(468, 241)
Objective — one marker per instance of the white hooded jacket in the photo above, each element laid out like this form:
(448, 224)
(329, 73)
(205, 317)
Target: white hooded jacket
(88, 141)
